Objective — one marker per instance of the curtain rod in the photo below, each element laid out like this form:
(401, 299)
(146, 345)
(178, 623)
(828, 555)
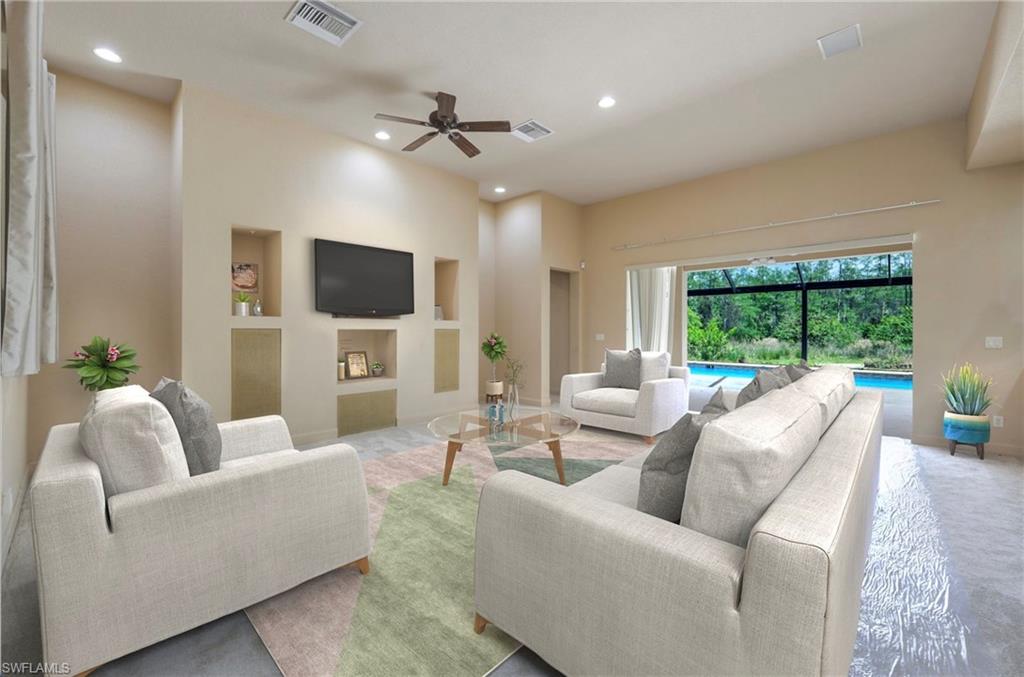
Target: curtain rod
(773, 224)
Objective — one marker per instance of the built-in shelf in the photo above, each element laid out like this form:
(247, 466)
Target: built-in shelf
(446, 287)
(378, 344)
(454, 324)
(367, 385)
(256, 253)
(271, 322)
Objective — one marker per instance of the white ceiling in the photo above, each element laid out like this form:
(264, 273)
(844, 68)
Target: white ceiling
(701, 87)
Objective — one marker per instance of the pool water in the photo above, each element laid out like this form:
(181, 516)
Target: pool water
(735, 377)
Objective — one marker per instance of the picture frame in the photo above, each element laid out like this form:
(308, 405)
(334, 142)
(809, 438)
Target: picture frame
(245, 277)
(358, 365)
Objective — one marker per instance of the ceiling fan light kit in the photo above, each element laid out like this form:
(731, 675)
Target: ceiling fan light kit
(445, 121)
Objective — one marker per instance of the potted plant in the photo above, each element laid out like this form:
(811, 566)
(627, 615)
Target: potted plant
(242, 301)
(103, 365)
(494, 349)
(377, 368)
(965, 422)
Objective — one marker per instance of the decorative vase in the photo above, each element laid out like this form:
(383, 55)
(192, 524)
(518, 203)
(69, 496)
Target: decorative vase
(341, 371)
(241, 309)
(495, 387)
(377, 371)
(966, 429)
(513, 402)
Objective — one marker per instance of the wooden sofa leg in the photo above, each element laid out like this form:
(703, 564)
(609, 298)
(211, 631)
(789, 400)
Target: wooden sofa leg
(364, 565)
(479, 623)
(648, 439)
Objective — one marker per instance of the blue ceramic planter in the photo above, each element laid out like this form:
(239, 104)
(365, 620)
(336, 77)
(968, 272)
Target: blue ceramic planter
(966, 429)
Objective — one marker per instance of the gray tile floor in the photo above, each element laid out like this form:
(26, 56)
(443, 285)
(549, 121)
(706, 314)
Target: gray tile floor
(980, 503)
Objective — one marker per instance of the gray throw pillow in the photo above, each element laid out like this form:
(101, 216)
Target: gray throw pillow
(663, 475)
(798, 371)
(716, 405)
(766, 381)
(622, 369)
(193, 417)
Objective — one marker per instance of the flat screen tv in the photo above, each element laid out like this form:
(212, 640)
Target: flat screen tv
(353, 279)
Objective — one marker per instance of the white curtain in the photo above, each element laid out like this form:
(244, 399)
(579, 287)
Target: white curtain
(650, 308)
(29, 270)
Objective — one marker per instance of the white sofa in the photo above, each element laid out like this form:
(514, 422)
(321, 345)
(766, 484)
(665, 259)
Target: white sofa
(653, 409)
(595, 586)
(120, 573)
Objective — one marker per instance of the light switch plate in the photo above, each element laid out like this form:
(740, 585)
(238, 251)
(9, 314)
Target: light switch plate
(997, 421)
(994, 342)
(598, 337)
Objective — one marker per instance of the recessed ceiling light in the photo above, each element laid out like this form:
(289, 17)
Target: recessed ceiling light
(382, 135)
(107, 54)
(499, 189)
(606, 102)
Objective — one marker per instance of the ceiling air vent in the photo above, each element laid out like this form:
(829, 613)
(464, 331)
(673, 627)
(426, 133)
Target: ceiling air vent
(840, 41)
(530, 131)
(325, 21)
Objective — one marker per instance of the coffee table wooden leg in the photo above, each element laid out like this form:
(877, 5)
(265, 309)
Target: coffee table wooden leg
(449, 461)
(556, 451)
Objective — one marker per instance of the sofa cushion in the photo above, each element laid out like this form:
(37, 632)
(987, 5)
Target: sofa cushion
(615, 483)
(744, 459)
(654, 365)
(717, 404)
(615, 401)
(622, 369)
(798, 371)
(833, 388)
(663, 475)
(193, 417)
(766, 381)
(132, 438)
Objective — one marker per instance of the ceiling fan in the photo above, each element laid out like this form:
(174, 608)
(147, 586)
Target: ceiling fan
(445, 121)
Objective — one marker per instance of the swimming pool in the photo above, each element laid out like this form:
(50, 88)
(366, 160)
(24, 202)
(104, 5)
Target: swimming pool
(734, 376)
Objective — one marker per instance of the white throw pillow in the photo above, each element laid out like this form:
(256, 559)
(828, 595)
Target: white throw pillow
(745, 459)
(833, 388)
(654, 366)
(132, 438)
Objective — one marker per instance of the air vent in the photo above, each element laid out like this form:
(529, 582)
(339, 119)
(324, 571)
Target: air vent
(530, 131)
(841, 41)
(325, 21)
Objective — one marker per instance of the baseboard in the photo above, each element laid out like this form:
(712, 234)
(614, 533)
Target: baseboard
(990, 447)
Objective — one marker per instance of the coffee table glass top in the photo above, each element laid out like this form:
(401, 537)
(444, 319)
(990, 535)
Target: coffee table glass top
(531, 425)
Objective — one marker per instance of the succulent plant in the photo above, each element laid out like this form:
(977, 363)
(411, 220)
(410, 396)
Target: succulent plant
(966, 390)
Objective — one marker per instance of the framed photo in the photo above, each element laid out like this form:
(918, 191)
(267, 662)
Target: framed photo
(245, 277)
(358, 366)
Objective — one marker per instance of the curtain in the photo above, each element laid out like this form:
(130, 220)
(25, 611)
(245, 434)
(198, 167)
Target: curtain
(29, 270)
(650, 308)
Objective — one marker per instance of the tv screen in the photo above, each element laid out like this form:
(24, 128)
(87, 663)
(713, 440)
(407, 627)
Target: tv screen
(353, 279)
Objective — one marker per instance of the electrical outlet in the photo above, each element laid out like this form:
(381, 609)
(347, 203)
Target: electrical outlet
(997, 421)
(994, 342)
(598, 337)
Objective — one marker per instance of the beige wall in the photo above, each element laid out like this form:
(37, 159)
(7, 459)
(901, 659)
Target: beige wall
(562, 236)
(968, 280)
(244, 167)
(115, 278)
(485, 249)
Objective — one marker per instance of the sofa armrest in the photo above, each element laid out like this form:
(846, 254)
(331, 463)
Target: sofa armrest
(680, 372)
(661, 403)
(573, 384)
(555, 567)
(252, 436)
(66, 492)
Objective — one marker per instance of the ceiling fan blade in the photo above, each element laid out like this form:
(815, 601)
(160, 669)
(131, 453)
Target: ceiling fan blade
(420, 141)
(486, 126)
(464, 144)
(445, 106)
(395, 118)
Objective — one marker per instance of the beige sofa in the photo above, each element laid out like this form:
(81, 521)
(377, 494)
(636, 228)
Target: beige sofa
(122, 573)
(596, 587)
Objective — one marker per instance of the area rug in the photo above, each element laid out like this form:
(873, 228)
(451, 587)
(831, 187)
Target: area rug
(413, 614)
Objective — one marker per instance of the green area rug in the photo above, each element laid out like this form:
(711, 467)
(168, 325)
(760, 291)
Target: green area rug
(413, 613)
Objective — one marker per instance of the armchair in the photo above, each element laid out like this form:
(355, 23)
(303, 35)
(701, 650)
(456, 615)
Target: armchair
(119, 573)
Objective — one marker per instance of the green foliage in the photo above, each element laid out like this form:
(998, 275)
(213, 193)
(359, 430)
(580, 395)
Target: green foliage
(966, 390)
(102, 365)
(708, 342)
(897, 328)
(494, 348)
(242, 297)
(514, 371)
(376, 365)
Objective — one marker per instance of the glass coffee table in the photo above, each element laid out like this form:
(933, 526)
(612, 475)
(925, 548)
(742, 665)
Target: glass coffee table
(531, 425)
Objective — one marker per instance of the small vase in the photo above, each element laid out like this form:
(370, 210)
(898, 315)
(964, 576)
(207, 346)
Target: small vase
(377, 371)
(241, 309)
(513, 402)
(966, 429)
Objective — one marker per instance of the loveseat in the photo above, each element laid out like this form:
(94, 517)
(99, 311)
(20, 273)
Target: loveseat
(595, 586)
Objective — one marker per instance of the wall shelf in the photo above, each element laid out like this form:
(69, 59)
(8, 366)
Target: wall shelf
(262, 249)
(446, 287)
(378, 344)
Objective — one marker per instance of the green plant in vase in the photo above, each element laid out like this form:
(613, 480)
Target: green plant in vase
(377, 368)
(514, 374)
(494, 349)
(242, 301)
(967, 399)
(103, 365)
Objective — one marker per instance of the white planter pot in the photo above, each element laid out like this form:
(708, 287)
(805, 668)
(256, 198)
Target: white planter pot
(495, 387)
(242, 309)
